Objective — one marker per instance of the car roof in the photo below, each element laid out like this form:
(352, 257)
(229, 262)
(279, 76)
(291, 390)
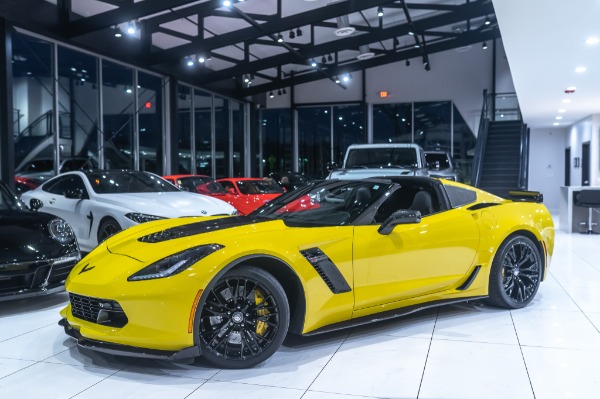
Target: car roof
(184, 176)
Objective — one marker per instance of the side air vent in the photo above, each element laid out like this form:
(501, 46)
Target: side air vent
(482, 205)
(470, 279)
(327, 270)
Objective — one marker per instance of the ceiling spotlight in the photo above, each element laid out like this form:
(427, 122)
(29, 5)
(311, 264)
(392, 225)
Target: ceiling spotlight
(298, 32)
(226, 3)
(417, 45)
(346, 77)
(396, 42)
(411, 32)
(592, 40)
(246, 78)
(189, 61)
(562, 111)
(329, 58)
(284, 91)
(558, 118)
(292, 34)
(566, 100)
(313, 63)
(407, 62)
(201, 59)
(556, 124)
(337, 79)
(380, 11)
(132, 28)
(580, 69)
(117, 31)
(279, 92)
(279, 38)
(484, 46)
(487, 21)
(128, 90)
(271, 95)
(323, 60)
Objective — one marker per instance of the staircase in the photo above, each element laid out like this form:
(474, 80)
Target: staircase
(503, 165)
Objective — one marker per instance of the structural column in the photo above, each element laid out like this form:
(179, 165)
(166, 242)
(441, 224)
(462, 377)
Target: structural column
(7, 158)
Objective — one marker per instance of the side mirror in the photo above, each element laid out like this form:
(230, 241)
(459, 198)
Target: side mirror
(35, 204)
(74, 194)
(403, 216)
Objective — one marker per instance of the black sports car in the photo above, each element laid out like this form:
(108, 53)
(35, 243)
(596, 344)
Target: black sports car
(37, 250)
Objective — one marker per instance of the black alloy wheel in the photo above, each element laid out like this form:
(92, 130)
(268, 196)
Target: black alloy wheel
(107, 228)
(516, 273)
(244, 319)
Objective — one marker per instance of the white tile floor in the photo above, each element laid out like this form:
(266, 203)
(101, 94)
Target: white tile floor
(550, 349)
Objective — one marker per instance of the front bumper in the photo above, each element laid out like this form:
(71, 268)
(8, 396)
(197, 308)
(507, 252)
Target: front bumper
(125, 350)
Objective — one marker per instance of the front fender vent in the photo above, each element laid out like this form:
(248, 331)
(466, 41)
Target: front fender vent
(328, 271)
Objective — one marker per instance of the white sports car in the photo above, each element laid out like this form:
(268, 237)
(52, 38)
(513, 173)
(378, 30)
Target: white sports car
(99, 203)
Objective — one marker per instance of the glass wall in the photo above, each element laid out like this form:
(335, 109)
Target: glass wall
(202, 134)
(78, 109)
(184, 130)
(33, 94)
(237, 119)
(433, 125)
(392, 123)
(348, 128)
(277, 148)
(464, 147)
(222, 148)
(118, 117)
(150, 119)
(314, 141)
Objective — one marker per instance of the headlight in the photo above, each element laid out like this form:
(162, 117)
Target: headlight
(61, 232)
(174, 264)
(142, 217)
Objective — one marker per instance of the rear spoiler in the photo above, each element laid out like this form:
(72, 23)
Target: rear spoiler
(526, 196)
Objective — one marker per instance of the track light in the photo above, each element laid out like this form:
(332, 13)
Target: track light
(298, 32)
(117, 31)
(313, 63)
(271, 95)
(226, 3)
(484, 46)
(487, 21)
(407, 62)
(279, 38)
(246, 78)
(337, 79)
(380, 11)
(132, 28)
(396, 42)
(279, 92)
(292, 34)
(426, 63)
(411, 32)
(323, 60)
(201, 59)
(346, 77)
(284, 91)
(189, 61)
(329, 58)
(417, 45)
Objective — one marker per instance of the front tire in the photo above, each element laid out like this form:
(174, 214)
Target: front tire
(108, 227)
(244, 318)
(516, 273)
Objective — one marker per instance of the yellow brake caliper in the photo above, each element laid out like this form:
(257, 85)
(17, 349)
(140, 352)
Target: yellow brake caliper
(261, 326)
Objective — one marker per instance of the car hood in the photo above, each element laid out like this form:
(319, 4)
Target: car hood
(170, 204)
(24, 237)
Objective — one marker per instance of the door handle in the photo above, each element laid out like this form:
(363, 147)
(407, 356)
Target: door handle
(52, 200)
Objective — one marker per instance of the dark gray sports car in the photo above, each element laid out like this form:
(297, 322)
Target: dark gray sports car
(37, 250)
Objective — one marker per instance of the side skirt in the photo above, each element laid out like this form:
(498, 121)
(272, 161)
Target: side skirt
(389, 314)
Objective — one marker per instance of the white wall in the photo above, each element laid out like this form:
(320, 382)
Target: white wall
(585, 130)
(457, 76)
(547, 165)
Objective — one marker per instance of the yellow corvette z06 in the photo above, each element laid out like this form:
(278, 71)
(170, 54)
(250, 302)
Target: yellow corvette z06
(330, 255)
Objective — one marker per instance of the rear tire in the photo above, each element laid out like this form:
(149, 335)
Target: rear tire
(516, 273)
(244, 319)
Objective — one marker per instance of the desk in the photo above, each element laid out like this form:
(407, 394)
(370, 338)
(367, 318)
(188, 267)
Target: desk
(570, 215)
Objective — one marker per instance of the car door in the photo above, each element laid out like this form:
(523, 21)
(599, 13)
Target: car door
(414, 259)
(72, 210)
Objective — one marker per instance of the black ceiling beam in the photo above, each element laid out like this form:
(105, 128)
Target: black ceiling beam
(175, 33)
(282, 25)
(360, 28)
(463, 39)
(431, 7)
(127, 12)
(257, 17)
(469, 10)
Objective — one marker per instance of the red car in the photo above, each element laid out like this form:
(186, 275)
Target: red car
(198, 184)
(24, 184)
(250, 193)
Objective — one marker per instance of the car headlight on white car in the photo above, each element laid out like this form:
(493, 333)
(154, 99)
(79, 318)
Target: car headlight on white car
(142, 217)
(174, 264)
(61, 232)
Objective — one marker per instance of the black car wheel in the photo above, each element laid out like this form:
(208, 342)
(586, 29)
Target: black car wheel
(244, 318)
(108, 227)
(516, 273)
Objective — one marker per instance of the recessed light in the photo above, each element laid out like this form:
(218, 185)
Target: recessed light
(562, 111)
(558, 118)
(556, 123)
(566, 100)
(580, 69)
(592, 40)
(571, 88)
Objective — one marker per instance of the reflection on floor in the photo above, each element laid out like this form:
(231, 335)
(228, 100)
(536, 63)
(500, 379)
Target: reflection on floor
(549, 350)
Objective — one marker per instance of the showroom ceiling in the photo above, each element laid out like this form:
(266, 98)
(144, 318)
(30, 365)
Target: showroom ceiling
(257, 46)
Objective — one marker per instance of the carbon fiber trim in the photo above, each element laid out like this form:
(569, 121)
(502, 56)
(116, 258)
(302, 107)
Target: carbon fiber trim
(327, 270)
(206, 226)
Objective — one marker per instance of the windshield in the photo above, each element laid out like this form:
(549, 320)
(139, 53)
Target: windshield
(259, 187)
(437, 159)
(118, 182)
(382, 157)
(201, 185)
(8, 201)
(329, 203)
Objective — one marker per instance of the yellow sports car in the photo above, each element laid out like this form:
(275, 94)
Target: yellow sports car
(329, 255)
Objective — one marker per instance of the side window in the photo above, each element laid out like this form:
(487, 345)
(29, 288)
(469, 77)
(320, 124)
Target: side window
(460, 196)
(417, 198)
(62, 184)
(228, 186)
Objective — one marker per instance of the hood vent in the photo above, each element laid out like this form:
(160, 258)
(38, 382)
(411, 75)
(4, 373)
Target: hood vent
(365, 53)
(344, 29)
